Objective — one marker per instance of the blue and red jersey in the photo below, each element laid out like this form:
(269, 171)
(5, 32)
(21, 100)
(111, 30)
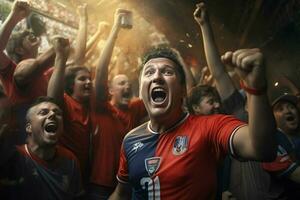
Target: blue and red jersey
(180, 163)
(25, 176)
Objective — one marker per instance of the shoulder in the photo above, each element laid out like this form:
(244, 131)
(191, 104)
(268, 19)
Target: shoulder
(65, 153)
(135, 102)
(139, 131)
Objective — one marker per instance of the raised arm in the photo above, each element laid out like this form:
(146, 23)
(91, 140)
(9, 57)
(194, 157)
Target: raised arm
(224, 84)
(93, 41)
(81, 38)
(104, 60)
(56, 82)
(19, 11)
(29, 68)
(257, 140)
(190, 81)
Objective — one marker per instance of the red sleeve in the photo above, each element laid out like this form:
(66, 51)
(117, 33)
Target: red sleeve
(221, 128)
(7, 79)
(122, 175)
(284, 164)
(139, 106)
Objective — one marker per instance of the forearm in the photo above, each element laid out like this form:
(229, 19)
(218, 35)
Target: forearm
(34, 67)
(223, 81)
(262, 127)
(190, 81)
(80, 47)
(93, 41)
(56, 82)
(103, 63)
(6, 29)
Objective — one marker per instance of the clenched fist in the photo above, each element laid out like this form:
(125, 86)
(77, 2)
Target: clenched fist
(249, 65)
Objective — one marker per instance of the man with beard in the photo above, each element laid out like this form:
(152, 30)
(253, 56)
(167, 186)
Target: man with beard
(40, 169)
(285, 170)
(175, 155)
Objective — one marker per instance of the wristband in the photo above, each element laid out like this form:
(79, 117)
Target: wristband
(253, 91)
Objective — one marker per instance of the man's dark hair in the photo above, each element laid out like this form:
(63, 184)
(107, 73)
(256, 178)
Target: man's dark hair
(165, 52)
(197, 93)
(70, 75)
(40, 100)
(15, 41)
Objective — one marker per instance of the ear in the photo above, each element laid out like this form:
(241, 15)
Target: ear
(110, 91)
(19, 50)
(28, 128)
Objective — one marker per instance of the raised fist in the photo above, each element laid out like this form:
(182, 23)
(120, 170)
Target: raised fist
(20, 9)
(103, 26)
(61, 45)
(249, 65)
(200, 14)
(82, 10)
(118, 16)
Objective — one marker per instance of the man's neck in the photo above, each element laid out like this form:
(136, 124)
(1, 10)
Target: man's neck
(44, 153)
(119, 106)
(161, 125)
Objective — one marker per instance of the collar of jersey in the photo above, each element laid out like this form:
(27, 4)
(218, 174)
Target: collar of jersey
(171, 128)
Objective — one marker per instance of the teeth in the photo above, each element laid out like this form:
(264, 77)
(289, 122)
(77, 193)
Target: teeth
(158, 99)
(158, 90)
(158, 95)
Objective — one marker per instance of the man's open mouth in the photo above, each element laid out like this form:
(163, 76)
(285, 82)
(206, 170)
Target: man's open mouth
(290, 118)
(158, 95)
(51, 127)
(126, 95)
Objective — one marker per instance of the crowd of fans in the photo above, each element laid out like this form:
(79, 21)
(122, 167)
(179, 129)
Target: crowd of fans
(63, 124)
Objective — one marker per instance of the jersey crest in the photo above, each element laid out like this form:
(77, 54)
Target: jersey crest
(152, 165)
(180, 145)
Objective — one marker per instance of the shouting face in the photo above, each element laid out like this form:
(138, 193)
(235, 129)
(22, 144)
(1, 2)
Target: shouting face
(82, 86)
(287, 116)
(30, 45)
(121, 90)
(161, 88)
(45, 124)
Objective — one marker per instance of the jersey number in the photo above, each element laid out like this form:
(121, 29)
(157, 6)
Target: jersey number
(153, 187)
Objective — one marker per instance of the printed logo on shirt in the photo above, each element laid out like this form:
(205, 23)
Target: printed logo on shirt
(152, 165)
(180, 145)
(137, 146)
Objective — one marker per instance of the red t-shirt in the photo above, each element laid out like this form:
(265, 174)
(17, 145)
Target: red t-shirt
(77, 125)
(180, 163)
(133, 114)
(18, 95)
(108, 133)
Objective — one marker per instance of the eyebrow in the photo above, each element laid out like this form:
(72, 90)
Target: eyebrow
(169, 66)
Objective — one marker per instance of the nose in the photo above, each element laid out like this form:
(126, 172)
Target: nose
(88, 81)
(127, 85)
(157, 77)
(52, 114)
(217, 105)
